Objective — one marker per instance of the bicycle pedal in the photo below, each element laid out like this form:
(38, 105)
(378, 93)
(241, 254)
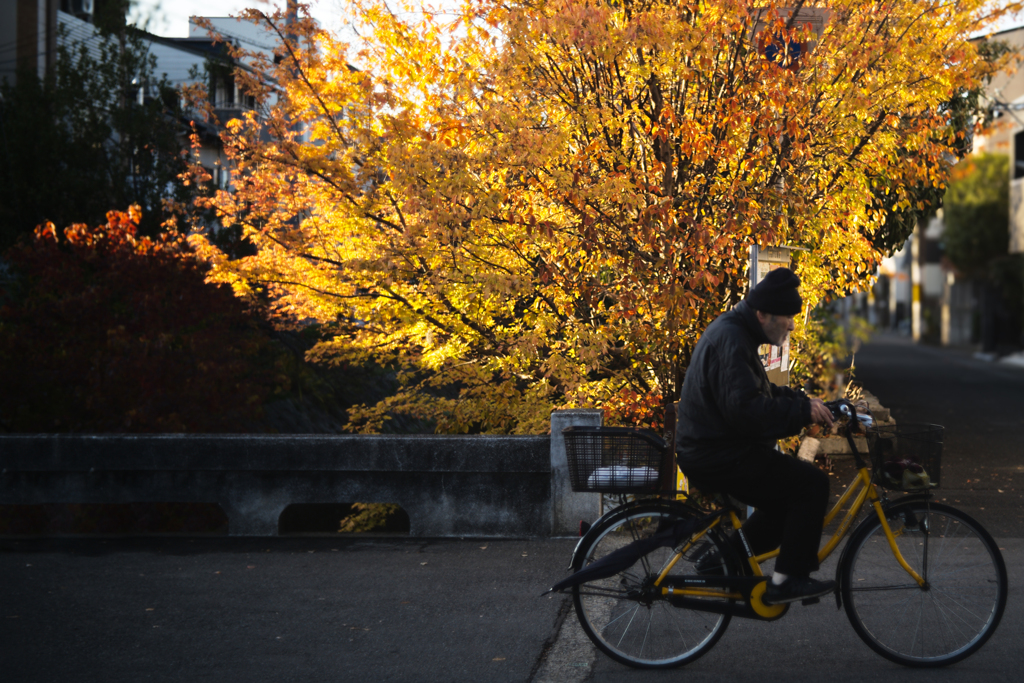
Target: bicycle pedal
(810, 601)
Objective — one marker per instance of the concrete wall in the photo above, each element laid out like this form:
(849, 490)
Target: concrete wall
(567, 506)
(449, 485)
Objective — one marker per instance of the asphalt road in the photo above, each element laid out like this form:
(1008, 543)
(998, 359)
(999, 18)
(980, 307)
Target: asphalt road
(221, 609)
(398, 609)
(815, 644)
(981, 406)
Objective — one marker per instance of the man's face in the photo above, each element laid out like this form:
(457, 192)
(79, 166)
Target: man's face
(776, 327)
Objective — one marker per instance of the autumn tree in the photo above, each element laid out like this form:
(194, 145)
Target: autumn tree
(102, 330)
(528, 205)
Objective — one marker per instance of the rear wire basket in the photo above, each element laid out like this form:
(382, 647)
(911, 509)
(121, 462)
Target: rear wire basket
(906, 457)
(614, 459)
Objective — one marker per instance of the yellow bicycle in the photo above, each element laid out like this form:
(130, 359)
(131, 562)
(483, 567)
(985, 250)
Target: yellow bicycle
(656, 581)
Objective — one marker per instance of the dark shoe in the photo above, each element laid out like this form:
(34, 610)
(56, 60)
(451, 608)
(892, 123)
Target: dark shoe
(709, 562)
(796, 588)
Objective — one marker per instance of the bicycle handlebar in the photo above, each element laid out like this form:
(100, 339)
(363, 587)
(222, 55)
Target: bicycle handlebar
(843, 408)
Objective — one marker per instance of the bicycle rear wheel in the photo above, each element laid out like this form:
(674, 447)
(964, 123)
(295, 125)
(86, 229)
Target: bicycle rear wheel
(961, 603)
(633, 625)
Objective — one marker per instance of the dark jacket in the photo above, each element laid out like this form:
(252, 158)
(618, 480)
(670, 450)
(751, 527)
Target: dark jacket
(728, 407)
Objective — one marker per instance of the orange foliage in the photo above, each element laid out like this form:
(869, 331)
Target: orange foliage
(103, 331)
(532, 205)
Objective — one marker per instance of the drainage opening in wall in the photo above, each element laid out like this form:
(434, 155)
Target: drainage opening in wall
(346, 518)
(60, 519)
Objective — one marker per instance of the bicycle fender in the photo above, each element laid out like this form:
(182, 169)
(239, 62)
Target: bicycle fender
(593, 527)
(598, 524)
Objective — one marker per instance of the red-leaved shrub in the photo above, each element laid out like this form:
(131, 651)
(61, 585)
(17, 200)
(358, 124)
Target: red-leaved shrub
(104, 331)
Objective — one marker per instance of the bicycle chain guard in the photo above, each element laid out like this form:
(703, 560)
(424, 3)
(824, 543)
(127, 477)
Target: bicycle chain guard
(763, 610)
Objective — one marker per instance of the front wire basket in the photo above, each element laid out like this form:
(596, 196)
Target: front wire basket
(906, 457)
(614, 459)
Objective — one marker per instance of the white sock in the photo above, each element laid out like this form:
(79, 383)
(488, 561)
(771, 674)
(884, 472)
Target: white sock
(778, 578)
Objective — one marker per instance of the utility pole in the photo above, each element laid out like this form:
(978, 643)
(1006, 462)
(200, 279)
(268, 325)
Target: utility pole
(915, 282)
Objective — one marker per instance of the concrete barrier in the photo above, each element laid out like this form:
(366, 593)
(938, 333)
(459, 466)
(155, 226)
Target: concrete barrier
(567, 506)
(449, 485)
(476, 485)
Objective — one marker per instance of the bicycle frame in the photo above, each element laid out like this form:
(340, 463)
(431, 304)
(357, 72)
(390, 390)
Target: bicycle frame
(870, 493)
(694, 591)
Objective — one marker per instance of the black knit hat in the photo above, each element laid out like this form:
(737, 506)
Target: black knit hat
(776, 293)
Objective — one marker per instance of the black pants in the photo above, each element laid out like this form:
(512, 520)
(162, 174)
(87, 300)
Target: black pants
(791, 497)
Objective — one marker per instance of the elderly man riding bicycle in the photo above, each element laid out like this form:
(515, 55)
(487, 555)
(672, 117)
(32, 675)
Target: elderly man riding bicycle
(728, 420)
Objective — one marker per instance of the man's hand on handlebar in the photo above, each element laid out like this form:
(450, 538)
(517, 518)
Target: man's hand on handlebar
(820, 412)
(859, 417)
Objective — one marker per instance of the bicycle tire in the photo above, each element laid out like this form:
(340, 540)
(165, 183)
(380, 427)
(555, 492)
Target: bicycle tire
(646, 636)
(965, 593)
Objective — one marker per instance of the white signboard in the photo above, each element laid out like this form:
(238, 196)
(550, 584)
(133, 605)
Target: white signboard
(774, 358)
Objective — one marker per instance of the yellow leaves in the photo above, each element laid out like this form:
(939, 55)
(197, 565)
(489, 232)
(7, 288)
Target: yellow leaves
(453, 134)
(542, 204)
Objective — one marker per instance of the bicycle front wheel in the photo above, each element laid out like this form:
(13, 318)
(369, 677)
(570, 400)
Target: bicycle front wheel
(622, 615)
(957, 609)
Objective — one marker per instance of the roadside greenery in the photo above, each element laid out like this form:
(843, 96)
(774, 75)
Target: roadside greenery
(100, 130)
(102, 330)
(976, 213)
(976, 241)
